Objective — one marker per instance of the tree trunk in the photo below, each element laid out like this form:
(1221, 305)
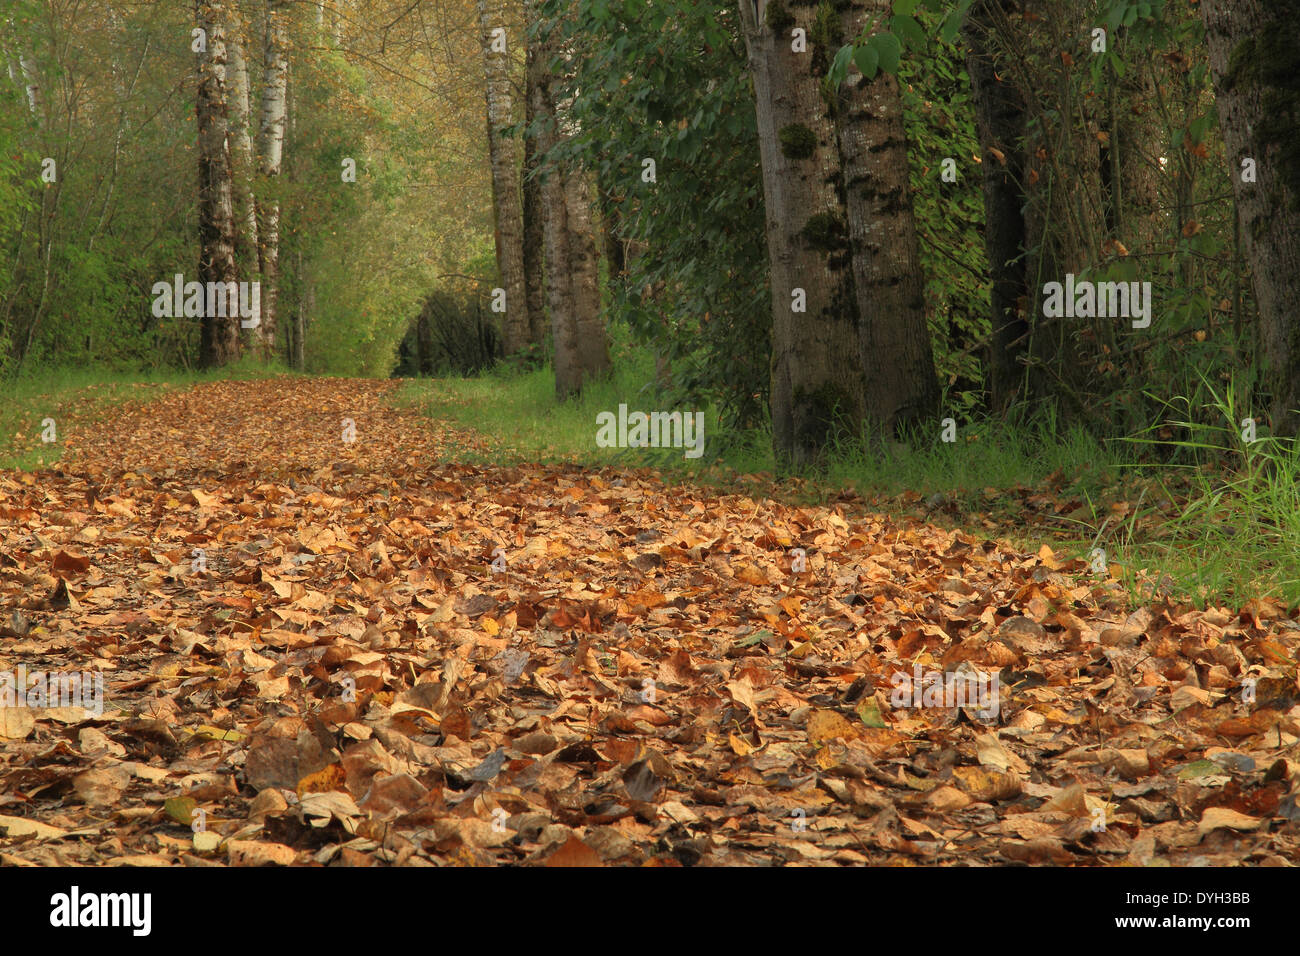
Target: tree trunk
(306, 303)
(564, 332)
(31, 82)
(817, 385)
(506, 203)
(241, 150)
(219, 338)
(342, 14)
(1255, 60)
(581, 345)
(584, 270)
(900, 384)
(1000, 125)
(270, 145)
(533, 235)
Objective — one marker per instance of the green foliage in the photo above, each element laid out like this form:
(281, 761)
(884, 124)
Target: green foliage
(669, 81)
(80, 255)
(453, 334)
(939, 119)
(881, 44)
(363, 290)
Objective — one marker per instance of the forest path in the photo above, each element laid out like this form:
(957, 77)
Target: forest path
(304, 646)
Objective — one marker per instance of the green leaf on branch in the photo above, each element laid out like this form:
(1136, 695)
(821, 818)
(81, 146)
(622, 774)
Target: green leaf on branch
(888, 50)
(840, 65)
(908, 30)
(867, 59)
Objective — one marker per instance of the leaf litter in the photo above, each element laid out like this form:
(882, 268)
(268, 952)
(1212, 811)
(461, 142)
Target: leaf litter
(322, 652)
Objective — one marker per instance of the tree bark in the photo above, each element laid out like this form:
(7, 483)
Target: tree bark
(817, 385)
(31, 82)
(1000, 125)
(241, 150)
(506, 202)
(219, 336)
(900, 383)
(534, 236)
(581, 344)
(306, 304)
(1138, 135)
(270, 145)
(1255, 60)
(343, 13)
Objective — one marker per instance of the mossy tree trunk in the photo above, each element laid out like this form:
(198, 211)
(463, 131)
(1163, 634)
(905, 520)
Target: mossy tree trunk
(817, 381)
(1256, 59)
(893, 338)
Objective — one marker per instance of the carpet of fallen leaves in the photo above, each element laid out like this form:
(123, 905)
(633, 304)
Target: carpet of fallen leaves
(321, 651)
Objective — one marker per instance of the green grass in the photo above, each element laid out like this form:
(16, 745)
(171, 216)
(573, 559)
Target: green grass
(82, 396)
(519, 416)
(1236, 535)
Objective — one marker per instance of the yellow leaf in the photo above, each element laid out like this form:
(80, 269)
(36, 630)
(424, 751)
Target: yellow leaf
(323, 781)
(827, 725)
(203, 499)
(181, 809)
(208, 732)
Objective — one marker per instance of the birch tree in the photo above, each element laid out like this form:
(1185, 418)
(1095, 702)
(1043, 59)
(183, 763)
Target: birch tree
(219, 338)
(241, 145)
(270, 146)
(506, 200)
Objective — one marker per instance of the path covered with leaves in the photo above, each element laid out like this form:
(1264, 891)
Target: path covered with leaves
(308, 657)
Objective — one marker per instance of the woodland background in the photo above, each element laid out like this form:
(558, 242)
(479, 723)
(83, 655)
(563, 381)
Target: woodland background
(919, 169)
